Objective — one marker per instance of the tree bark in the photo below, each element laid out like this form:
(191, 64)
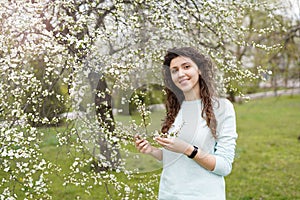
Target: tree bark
(103, 105)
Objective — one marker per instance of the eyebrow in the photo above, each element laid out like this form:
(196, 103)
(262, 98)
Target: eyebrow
(181, 64)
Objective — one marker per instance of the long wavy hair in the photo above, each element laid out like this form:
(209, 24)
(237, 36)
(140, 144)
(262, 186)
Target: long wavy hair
(174, 96)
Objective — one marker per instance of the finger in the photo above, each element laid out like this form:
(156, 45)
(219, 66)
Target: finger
(138, 142)
(161, 143)
(162, 140)
(145, 147)
(137, 137)
(166, 140)
(142, 144)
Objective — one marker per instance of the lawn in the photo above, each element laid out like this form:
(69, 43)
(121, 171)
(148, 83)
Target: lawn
(267, 163)
(267, 160)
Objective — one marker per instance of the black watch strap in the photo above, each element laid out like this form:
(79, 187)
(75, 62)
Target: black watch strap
(193, 154)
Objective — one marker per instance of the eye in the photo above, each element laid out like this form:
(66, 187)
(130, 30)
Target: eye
(174, 70)
(186, 67)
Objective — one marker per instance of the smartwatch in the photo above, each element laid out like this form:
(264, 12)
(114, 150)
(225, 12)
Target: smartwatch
(193, 154)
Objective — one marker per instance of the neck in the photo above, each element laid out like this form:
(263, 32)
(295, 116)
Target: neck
(191, 97)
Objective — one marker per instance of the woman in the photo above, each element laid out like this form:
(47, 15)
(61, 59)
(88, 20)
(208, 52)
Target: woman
(196, 160)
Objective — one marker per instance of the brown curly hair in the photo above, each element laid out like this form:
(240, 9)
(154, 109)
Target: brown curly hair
(174, 96)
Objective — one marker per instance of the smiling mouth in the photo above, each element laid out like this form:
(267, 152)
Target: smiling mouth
(183, 81)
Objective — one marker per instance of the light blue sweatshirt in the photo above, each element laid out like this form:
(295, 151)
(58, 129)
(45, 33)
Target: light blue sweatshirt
(184, 179)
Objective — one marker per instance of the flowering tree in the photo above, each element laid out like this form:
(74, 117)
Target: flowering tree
(87, 52)
(281, 61)
(285, 63)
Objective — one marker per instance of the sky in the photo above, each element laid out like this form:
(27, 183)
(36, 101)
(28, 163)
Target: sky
(293, 8)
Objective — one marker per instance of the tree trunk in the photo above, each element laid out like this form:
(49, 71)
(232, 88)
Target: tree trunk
(103, 103)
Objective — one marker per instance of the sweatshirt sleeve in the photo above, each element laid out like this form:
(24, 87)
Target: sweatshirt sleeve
(226, 141)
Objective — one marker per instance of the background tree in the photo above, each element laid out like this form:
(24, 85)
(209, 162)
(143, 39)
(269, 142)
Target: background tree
(285, 62)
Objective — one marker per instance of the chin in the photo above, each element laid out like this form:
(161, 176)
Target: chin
(185, 90)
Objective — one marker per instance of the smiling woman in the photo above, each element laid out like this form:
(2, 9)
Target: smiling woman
(185, 75)
(203, 148)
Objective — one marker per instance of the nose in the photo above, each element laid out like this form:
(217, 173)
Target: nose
(180, 72)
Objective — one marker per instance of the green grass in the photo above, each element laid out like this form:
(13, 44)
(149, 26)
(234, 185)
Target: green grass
(267, 164)
(146, 164)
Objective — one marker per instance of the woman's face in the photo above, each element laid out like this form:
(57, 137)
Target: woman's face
(185, 75)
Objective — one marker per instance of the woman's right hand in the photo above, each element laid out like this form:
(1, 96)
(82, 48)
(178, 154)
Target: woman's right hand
(142, 145)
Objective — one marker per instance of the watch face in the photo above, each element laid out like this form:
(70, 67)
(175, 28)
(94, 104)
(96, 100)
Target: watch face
(193, 154)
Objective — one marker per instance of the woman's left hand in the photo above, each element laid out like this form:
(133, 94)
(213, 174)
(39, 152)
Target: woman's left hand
(174, 144)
